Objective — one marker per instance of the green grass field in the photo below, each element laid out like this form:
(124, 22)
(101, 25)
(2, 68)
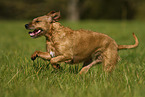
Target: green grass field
(21, 77)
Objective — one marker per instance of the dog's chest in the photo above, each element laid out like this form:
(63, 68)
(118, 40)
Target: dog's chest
(52, 54)
(61, 43)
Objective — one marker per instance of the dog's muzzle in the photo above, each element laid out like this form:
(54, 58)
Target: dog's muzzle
(37, 32)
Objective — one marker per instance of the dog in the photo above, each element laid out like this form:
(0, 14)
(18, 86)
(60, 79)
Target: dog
(74, 46)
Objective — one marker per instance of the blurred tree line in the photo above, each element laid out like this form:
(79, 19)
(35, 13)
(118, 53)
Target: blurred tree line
(73, 9)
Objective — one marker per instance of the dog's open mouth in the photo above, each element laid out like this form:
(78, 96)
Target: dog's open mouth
(35, 33)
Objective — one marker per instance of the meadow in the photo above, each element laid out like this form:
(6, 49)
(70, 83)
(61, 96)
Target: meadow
(21, 77)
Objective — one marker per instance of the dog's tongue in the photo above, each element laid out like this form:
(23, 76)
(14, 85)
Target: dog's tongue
(31, 33)
(35, 32)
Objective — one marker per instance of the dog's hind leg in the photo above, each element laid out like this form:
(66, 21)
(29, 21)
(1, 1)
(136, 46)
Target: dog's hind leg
(110, 58)
(88, 64)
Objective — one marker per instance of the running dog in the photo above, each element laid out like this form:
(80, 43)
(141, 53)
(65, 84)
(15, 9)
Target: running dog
(73, 46)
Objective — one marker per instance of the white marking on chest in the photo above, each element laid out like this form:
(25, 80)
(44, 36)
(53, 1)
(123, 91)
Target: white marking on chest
(52, 54)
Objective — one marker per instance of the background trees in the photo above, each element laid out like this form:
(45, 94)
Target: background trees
(74, 9)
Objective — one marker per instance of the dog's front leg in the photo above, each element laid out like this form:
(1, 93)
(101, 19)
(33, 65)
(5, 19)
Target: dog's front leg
(43, 55)
(54, 61)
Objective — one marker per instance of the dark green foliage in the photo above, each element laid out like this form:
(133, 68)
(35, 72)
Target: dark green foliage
(88, 9)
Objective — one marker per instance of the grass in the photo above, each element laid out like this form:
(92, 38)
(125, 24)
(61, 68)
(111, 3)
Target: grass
(21, 77)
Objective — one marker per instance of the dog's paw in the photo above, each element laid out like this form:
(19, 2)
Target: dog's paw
(34, 56)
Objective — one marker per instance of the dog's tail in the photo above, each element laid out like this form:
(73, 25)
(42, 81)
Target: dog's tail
(129, 46)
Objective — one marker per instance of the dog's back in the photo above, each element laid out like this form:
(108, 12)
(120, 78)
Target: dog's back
(86, 43)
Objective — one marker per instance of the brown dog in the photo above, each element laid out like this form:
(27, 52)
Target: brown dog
(73, 46)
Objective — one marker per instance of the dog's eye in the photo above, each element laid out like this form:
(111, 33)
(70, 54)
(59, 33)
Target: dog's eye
(37, 21)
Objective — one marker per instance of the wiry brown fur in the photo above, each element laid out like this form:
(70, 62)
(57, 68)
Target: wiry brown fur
(73, 46)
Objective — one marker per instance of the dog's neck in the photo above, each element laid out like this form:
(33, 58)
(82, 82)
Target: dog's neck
(54, 27)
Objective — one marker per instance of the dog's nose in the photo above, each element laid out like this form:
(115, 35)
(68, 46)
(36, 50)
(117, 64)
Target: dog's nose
(27, 26)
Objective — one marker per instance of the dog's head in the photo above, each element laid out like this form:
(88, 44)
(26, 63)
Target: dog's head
(41, 25)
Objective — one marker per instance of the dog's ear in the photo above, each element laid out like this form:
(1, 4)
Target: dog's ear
(56, 16)
(50, 13)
